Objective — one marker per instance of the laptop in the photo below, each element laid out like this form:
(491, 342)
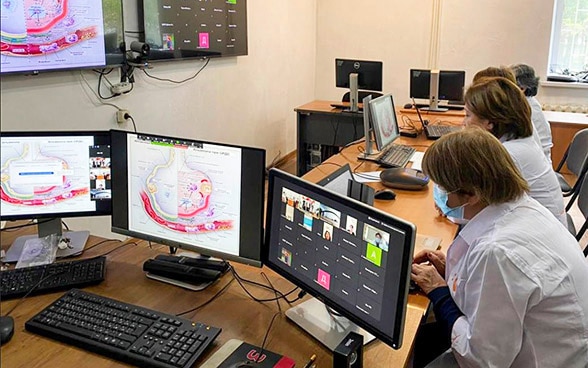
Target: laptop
(435, 131)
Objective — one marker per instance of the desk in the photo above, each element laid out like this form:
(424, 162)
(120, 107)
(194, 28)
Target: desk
(563, 127)
(322, 129)
(238, 315)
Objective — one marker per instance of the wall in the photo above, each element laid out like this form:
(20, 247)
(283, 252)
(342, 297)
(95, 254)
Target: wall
(473, 35)
(246, 100)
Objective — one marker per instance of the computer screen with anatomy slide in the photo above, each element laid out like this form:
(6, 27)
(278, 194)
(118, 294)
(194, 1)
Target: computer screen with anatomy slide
(384, 120)
(352, 257)
(48, 35)
(195, 195)
(50, 175)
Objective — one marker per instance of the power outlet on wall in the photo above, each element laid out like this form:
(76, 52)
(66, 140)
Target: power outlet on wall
(122, 116)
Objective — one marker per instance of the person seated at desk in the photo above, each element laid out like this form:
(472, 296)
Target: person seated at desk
(499, 106)
(512, 290)
(529, 82)
(508, 73)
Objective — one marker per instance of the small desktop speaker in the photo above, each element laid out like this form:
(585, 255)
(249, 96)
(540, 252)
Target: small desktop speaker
(349, 353)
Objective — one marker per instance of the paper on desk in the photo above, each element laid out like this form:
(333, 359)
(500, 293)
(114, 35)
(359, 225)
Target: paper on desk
(367, 177)
(417, 160)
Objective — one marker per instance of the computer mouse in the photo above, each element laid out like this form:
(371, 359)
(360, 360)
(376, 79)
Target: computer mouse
(6, 329)
(408, 106)
(385, 194)
(404, 178)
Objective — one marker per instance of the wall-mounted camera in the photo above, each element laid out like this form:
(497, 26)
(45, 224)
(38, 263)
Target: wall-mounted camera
(141, 48)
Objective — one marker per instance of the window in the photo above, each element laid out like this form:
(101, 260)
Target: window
(569, 37)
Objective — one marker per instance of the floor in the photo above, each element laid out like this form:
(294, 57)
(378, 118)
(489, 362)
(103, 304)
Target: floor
(289, 165)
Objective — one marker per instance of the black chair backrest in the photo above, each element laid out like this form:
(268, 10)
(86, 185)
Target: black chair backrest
(576, 154)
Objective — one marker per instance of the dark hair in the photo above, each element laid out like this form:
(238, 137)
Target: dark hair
(503, 104)
(493, 71)
(526, 78)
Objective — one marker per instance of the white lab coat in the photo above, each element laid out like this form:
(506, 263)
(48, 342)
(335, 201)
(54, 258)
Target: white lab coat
(521, 280)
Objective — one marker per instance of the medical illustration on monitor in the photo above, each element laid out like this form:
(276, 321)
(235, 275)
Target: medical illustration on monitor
(182, 190)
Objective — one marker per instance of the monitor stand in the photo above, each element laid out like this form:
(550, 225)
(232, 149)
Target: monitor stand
(314, 317)
(76, 240)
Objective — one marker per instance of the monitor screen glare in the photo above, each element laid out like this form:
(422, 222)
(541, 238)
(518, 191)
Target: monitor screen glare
(353, 257)
(384, 120)
(195, 195)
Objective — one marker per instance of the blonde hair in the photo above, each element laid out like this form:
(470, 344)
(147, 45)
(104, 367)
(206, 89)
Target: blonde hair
(473, 161)
(493, 71)
(502, 103)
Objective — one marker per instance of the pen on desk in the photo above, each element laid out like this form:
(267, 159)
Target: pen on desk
(310, 361)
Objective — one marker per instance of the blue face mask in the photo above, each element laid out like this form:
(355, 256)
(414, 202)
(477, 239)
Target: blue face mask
(454, 214)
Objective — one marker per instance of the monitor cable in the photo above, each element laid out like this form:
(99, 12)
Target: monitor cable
(43, 279)
(284, 296)
(214, 297)
(180, 81)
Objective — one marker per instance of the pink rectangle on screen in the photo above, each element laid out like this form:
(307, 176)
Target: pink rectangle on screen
(203, 40)
(324, 279)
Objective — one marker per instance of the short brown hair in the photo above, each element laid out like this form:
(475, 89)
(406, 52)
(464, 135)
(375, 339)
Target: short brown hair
(493, 71)
(473, 161)
(502, 103)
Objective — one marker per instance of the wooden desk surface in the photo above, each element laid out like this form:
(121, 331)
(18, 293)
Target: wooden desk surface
(234, 311)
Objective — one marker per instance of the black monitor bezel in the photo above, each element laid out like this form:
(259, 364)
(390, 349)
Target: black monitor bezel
(251, 229)
(420, 90)
(372, 70)
(395, 341)
(105, 208)
(115, 57)
(452, 81)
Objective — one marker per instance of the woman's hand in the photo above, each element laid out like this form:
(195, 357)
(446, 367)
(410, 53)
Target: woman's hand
(427, 277)
(435, 257)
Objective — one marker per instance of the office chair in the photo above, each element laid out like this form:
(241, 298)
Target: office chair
(576, 159)
(361, 95)
(583, 207)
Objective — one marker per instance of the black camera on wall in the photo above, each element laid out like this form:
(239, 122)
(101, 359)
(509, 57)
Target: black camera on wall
(140, 48)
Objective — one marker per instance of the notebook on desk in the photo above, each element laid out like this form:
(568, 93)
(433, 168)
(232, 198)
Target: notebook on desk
(435, 131)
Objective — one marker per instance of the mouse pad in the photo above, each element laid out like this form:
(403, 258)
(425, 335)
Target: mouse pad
(235, 351)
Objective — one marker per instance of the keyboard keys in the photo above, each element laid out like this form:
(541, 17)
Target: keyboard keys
(52, 277)
(123, 331)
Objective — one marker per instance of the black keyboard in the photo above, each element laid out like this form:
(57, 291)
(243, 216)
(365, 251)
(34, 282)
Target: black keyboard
(122, 331)
(395, 155)
(436, 131)
(52, 277)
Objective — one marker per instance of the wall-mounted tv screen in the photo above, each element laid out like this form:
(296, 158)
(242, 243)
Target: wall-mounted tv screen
(48, 35)
(178, 29)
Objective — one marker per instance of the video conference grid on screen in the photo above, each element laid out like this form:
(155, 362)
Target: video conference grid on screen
(340, 252)
(216, 27)
(54, 174)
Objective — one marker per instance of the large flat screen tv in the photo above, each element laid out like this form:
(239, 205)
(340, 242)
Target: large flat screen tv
(176, 29)
(49, 35)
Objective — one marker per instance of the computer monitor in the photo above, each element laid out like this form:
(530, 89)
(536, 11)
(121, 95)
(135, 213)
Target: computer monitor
(384, 121)
(358, 75)
(437, 85)
(190, 194)
(419, 83)
(451, 86)
(54, 174)
(352, 257)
